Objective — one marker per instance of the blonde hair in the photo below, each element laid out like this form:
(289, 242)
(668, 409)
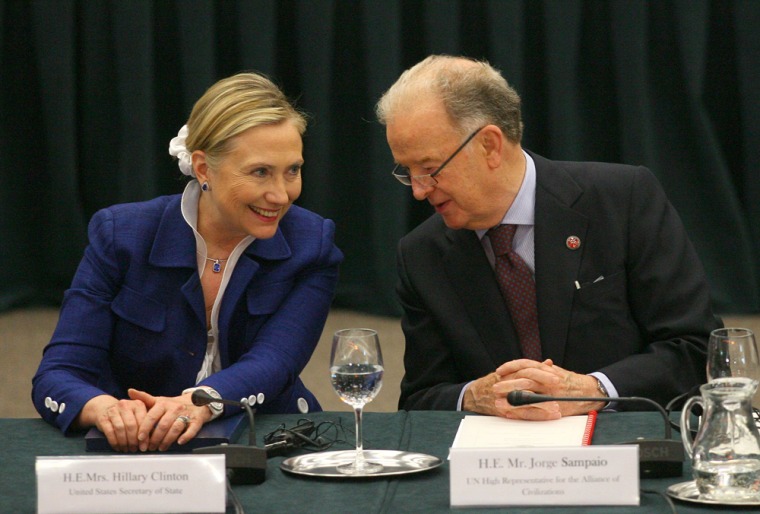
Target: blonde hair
(233, 105)
(473, 93)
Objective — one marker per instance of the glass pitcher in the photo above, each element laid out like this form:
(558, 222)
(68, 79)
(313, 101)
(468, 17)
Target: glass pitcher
(725, 453)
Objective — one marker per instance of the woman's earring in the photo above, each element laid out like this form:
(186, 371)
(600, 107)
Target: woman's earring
(205, 187)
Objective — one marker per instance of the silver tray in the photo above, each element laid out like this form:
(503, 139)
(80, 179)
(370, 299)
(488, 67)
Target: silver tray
(324, 464)
(687, 491)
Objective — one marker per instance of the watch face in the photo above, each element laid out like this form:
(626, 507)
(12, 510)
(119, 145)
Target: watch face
(214, 406)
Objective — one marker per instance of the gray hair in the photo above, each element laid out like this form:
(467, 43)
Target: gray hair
(473, 93)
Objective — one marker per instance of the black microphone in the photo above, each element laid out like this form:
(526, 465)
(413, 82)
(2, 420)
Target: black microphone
(658, 458)
(246, 464)
(200, 397)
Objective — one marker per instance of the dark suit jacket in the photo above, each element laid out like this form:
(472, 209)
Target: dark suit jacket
(135, 316)
(645, 324)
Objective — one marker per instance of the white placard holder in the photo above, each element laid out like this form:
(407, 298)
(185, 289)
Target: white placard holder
(587, 475)
(128, 484)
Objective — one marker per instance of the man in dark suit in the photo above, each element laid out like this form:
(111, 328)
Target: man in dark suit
(610, 300)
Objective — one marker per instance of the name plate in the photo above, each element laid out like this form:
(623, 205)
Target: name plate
(122, 484)
(590, 475)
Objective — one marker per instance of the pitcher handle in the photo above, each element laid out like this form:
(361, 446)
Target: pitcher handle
(688, 442)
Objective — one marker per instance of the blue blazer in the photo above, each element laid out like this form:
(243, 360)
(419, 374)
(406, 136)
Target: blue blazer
(135, 317)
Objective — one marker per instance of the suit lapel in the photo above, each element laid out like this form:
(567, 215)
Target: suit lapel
(174, 247)
(273, 249)
(556, 265)
(470, 273)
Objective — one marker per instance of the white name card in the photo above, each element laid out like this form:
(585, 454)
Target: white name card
(588, 475)
(122, 484)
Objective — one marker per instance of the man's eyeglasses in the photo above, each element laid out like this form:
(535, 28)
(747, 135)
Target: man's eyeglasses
(404, 176)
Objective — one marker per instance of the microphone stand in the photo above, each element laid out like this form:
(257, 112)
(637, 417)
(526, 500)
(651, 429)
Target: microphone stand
(245, 464)
(658, 458)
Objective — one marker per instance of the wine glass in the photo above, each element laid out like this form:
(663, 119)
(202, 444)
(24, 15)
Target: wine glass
(356, 373)
(732, 352)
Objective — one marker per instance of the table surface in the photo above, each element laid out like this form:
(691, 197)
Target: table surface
(429, 432)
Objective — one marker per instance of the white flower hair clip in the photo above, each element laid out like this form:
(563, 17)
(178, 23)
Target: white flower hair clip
(178, 149)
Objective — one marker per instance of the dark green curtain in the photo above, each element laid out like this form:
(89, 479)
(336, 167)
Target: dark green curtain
(92, 91)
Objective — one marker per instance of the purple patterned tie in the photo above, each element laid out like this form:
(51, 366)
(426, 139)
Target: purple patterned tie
(518, 288)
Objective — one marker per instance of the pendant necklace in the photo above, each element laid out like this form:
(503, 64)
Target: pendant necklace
(217, 267)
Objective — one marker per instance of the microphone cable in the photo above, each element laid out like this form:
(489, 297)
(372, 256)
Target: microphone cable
(667, 498)
(232, 497)
(305, 435)
(675, 403)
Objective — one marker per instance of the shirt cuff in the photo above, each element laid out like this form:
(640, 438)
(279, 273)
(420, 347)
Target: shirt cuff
(461, 395)
(611, 391)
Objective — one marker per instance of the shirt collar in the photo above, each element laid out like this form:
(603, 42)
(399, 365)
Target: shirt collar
(523, 208)
(190, 198)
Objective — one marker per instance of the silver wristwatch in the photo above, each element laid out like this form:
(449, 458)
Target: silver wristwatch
(600, 387)
(216, 407)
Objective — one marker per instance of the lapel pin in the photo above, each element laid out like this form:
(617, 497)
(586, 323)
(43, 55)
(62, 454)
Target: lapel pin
(573, 242)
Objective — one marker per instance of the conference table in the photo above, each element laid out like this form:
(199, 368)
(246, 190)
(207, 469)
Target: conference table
(425, 432)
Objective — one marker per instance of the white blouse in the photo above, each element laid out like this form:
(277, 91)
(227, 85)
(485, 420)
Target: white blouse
(190, 198)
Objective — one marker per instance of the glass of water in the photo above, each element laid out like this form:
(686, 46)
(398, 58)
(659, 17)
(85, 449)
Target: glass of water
(356, 373)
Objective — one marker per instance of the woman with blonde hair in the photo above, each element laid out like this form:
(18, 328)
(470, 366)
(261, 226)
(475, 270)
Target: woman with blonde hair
(225, 287)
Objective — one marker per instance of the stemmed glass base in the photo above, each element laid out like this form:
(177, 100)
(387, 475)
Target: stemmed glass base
(359, 466)
(367, 468)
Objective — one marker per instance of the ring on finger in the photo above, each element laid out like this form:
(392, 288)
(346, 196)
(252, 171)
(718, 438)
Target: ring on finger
(184, 419)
